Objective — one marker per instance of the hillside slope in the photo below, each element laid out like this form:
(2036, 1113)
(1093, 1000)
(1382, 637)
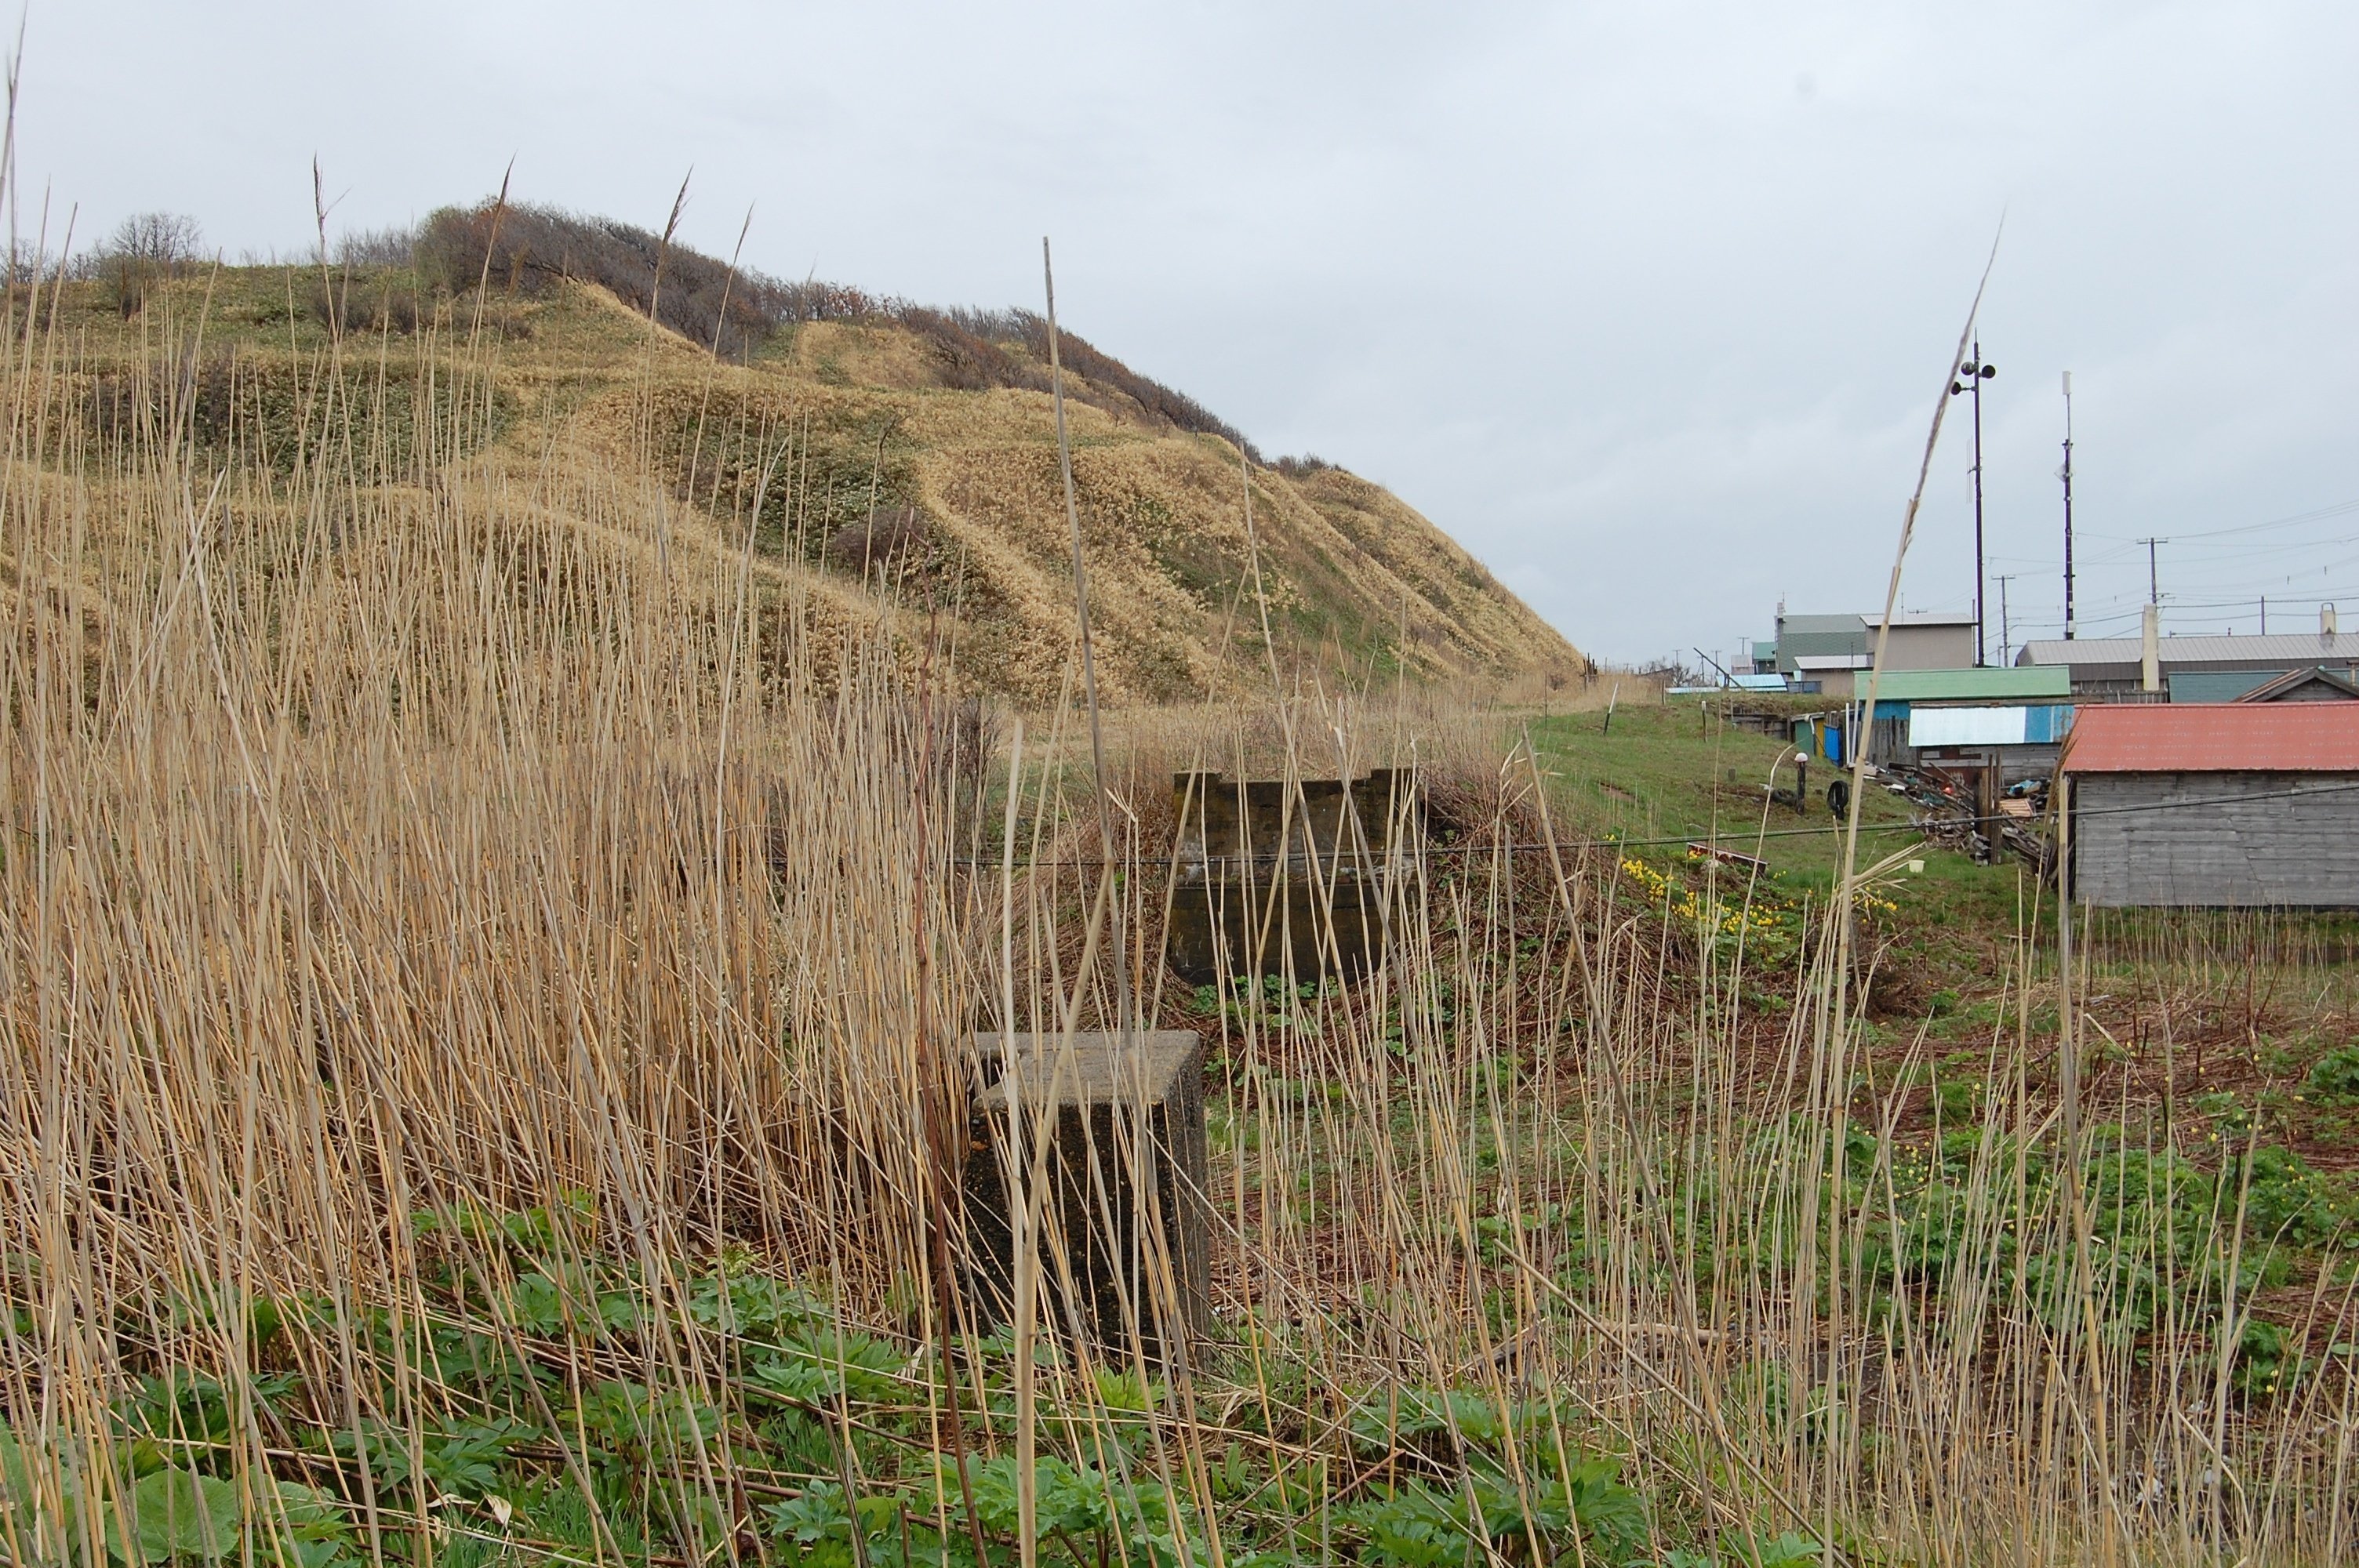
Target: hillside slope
(873, 463)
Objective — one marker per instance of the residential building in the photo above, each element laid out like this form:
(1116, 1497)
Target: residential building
(2008, 721)
(2237, 805)
(1830, 654)
(2193, 669)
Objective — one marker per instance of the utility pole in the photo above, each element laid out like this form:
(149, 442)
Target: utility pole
(2068, 1057)
(2153, 587)
(2005, 640)
(1973, 373)
(2065, 474)
(2265, 615)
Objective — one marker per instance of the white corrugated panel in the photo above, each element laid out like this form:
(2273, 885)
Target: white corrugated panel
(1966, 726)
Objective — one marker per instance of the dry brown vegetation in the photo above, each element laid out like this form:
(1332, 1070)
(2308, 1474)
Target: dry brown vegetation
(824, 404)
(493, 919)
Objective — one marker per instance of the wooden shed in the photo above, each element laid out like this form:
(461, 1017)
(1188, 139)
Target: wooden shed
(2008, 720)
(2216, 805)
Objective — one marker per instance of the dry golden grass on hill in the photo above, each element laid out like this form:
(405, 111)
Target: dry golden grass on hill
(789, 456)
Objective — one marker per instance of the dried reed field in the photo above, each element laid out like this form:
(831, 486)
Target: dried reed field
(488, 975)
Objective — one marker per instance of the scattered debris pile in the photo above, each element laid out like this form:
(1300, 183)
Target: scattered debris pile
(1966, 814)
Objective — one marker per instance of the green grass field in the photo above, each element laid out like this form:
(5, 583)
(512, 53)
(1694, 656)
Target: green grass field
(1663, 776)
(2253, 1010)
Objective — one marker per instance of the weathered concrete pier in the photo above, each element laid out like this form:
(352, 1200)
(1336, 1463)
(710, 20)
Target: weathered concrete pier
(1114, 1150)
(1275, 875)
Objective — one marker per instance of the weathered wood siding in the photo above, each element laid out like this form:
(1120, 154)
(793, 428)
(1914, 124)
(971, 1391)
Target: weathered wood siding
(2213, 840)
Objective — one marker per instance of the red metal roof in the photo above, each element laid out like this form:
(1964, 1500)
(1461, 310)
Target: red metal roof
(2214, 737)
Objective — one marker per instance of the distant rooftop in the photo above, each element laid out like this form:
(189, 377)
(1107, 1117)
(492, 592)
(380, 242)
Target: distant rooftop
(2294, 684)
(1993, 683)
(1900, 618)
(1923, 618)
(2285, 651)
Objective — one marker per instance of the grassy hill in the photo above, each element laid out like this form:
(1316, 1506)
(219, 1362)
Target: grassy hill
(878, 458)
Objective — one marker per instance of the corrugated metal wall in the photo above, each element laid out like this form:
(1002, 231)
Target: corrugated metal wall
(2216, 685)
(2213, 840)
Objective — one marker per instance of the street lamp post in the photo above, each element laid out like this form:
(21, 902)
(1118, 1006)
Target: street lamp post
(1971, 374)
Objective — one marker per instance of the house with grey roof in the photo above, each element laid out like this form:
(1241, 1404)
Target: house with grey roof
(2194, 669)
(1830, 654)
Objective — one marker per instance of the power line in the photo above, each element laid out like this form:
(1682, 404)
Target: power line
(2319, 514)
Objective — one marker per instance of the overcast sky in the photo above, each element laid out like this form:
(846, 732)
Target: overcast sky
(1647, 305)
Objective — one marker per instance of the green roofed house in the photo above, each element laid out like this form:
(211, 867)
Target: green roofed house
(1994, 725)
(1992, 683)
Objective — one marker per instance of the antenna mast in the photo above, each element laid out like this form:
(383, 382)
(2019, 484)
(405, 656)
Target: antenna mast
(2066, 472)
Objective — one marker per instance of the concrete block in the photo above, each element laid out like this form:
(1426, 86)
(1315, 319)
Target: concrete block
(1122, 1194)
(1273, 875)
